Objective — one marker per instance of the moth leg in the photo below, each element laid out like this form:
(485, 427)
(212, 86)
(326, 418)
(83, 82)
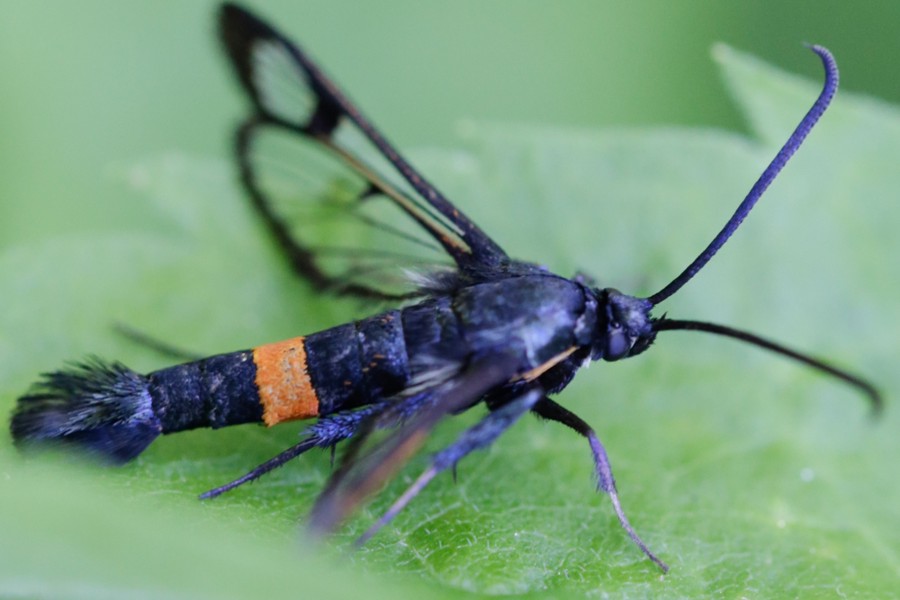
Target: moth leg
(550, 410)
(150, 342)
(326, 433)
(360, 474)
(270, 465)
(480, 435)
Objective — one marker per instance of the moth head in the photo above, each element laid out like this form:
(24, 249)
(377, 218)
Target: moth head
(624, 327)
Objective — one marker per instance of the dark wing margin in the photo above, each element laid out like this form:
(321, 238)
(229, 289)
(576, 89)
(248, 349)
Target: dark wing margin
(359, 169)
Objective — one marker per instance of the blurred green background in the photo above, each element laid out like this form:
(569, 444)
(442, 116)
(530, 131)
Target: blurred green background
(92, 87)
(91, 82)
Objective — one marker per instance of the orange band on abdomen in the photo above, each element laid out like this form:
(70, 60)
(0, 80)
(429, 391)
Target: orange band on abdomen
(285, 390)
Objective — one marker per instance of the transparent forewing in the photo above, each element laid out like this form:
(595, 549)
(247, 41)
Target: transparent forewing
(280, 83)
(363, 172)
(286, 93)
(353, 236)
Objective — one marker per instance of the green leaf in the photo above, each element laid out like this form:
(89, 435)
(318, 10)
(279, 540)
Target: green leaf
(749, 475)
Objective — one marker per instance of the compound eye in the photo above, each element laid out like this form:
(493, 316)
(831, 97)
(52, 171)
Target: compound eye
(617, 344)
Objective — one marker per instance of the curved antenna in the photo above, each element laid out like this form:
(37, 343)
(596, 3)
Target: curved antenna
(859, 383)
(781, 159)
